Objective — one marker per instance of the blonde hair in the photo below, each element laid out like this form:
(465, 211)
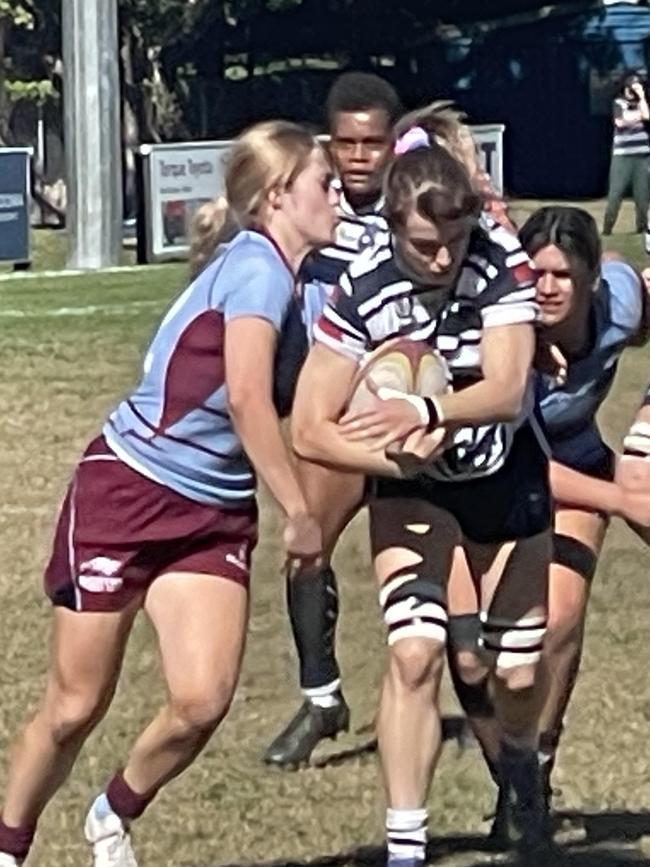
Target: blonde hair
(206, 233)
(446, 125)
(268, 155)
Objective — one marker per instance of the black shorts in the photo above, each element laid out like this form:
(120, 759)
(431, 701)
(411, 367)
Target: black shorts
(512, 503)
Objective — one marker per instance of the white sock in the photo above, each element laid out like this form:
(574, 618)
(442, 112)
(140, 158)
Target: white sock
(324, 696)
(406, 834)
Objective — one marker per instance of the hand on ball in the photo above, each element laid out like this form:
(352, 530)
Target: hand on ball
(385, 422)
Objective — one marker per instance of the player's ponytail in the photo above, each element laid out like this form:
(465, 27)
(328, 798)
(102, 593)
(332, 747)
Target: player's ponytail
(211, 226)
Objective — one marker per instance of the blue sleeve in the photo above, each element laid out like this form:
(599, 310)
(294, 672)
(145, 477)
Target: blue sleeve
(626, 298)
(256, 285)
(314, 299)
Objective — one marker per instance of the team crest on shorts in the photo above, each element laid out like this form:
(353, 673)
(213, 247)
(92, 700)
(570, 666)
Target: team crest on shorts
(100, 575)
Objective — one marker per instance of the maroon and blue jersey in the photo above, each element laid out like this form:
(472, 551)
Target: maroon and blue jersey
(175, 428)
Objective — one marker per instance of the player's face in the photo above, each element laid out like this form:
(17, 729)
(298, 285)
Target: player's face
(361, 147)
(434, 252)
(556, 294)
(310, 201)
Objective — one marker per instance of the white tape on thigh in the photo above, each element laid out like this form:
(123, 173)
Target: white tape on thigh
(412, 616)
(515, 643)
(638, 439)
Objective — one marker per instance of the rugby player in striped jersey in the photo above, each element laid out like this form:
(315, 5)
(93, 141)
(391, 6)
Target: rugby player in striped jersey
(335, 496)
(480, 500)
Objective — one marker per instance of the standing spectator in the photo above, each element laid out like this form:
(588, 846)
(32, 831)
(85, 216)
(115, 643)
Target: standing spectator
(630, 155)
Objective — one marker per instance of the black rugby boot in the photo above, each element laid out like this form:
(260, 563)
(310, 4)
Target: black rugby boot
(521, 820)
(311, 724)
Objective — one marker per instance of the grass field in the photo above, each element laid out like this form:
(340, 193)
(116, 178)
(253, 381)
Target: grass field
(69, 347)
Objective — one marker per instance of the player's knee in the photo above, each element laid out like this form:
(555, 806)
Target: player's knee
(470, 668)
(517, 679)
(200, 711)
(69, 714)
(416, 662)
(464, 650)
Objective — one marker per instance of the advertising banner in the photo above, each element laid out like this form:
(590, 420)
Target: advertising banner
(177, 179)
(15, 205)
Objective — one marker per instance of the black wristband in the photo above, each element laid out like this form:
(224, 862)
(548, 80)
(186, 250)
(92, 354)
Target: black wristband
(434, 415)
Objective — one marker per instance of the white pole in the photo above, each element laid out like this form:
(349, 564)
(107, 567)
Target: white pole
(92, 133)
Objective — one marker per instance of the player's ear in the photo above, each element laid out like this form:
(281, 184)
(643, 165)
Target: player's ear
(275, 197)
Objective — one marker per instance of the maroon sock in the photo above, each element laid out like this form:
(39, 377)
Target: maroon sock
(124, 801)
(16, 841)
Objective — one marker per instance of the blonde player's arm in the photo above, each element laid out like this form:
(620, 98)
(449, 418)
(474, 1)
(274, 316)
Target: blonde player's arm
(323, 389)
(249, 353)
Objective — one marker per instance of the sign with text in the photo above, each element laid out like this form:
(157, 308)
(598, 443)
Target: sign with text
(15, 204)
(489, 146)
(176, 179)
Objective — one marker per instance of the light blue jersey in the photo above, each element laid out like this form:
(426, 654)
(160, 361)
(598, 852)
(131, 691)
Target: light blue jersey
(175, 428)
(569, 410)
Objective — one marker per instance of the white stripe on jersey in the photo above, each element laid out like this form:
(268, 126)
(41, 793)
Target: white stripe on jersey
(401, 288)
(379, 301)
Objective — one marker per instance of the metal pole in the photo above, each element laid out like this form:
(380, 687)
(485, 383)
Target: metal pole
(92, 133)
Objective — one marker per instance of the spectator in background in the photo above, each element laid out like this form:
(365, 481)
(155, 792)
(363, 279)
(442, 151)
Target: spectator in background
(630, 155)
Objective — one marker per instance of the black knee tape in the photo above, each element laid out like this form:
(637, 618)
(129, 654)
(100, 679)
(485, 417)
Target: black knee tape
(313, 602)
(575, 555)
(464, 631)
(413, 605)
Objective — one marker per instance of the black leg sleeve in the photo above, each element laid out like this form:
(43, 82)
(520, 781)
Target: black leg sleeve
(313, 602)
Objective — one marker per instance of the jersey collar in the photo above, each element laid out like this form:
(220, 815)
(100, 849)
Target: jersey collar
(346, 208)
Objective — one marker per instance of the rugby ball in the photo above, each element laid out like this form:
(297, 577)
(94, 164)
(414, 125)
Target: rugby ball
(408, 366)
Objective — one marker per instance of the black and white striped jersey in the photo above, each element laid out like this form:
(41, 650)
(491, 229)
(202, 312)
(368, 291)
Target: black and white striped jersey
(356, 231)
(377, 300)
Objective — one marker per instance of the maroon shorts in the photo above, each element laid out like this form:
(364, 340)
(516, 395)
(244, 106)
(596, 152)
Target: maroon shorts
(118, 530)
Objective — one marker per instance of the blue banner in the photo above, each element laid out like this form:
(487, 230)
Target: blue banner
(15, 202)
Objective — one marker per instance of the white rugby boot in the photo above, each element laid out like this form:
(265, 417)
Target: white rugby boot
(108, 836)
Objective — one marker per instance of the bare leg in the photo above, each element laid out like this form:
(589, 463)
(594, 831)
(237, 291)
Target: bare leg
(514, 589)
(85, 661)
(580, 537)
(411, 533)
(201, 623)
(469, 668)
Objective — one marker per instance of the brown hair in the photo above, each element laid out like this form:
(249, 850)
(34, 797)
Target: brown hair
(433, 182)
(571, 230)
(267, 155)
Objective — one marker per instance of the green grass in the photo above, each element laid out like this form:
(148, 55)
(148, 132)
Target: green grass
(61, 374)
(50, 251)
